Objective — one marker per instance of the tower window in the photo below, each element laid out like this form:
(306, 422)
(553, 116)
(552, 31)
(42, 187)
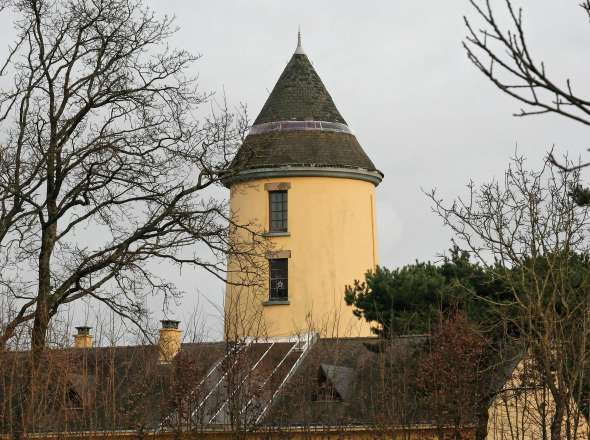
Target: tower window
(279, 279)
(278, 211)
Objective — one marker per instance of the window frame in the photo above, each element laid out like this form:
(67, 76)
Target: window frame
(274, 297)
(284, 202)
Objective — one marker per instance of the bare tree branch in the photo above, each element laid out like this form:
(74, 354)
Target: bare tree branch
(104, 169)
(504, 56)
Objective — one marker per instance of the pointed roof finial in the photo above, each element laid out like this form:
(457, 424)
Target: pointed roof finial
(299, 49)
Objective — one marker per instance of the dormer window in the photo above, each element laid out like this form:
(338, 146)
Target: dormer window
(335, 383)
(325, 391)
(278, 211)
(74, 401)
(77, 390)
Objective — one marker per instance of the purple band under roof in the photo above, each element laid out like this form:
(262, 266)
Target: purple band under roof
(299, 126)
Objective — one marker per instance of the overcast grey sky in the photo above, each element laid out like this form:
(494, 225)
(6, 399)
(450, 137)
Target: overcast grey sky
(399, 76)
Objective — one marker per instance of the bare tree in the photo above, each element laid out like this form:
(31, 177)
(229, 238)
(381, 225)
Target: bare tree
(454, 401)
(503, 55)
(107, 389)
(104, 166)
(531, 235)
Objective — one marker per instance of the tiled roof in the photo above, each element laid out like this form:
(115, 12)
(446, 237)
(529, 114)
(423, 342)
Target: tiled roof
(213, 386)
(309, 148)
(368, 391)
(127, 388)
(276, 140)
(299, 95)
(103, 389)
(366, 382)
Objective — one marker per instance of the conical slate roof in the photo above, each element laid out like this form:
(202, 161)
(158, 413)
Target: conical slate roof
(300, 132)
(299, 95)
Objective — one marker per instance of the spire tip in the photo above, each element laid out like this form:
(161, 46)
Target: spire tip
(299, 49)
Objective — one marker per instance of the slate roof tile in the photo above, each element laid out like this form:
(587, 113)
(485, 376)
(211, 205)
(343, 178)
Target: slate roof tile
(272, 384)
(302, 148)
(299, 95)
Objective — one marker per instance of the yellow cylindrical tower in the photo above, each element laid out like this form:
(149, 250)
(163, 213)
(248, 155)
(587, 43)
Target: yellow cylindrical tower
(303, 181)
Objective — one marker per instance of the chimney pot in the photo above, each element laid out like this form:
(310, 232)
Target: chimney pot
(83, 339)
(170, 339)
(170, 323)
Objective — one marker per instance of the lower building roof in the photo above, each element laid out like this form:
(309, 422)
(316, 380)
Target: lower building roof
(272, 384)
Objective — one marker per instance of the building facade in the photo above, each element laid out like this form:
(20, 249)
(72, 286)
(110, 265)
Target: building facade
(303, 181)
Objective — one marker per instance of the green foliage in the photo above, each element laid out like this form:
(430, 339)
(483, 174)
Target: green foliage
(410, 299)
(581, 195)
(399, 299)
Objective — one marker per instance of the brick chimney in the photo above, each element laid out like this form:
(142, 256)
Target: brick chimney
(83, 339)
(170, 338)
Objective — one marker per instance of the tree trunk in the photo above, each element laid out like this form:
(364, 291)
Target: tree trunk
(557, 420)
(41, 321)
(481, 431)
(40, 325)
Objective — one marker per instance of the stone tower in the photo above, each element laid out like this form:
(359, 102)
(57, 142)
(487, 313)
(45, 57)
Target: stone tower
(302, 179)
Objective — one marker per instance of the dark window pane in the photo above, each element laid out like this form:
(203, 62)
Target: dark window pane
(278, 211)
(279, 279)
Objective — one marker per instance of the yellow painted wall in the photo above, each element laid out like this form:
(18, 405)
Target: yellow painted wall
(332, 242)
(516, 413)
